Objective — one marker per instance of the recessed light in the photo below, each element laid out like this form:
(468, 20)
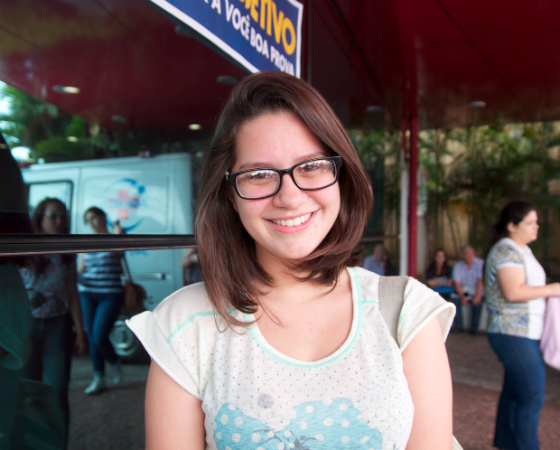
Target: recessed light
(195, 126)
(374, 109)
(72, 139)
(477, 104)
(120, 119)
(66, 89)
(226, 79)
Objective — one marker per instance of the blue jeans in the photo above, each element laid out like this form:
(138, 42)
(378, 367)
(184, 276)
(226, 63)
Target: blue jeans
(100, 311)
(475, 317)
(51, 343)
(522, 397)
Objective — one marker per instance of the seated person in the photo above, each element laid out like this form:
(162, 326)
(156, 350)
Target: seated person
(467, 280)
(438, 275)
(379, 262)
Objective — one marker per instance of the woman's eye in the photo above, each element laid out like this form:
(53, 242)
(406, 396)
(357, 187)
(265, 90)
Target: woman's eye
(260, 175)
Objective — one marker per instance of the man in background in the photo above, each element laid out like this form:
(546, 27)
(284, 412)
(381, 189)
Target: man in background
(379, 262)
(467, 280)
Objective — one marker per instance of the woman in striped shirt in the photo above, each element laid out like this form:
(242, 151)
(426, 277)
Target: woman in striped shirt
(101, 296)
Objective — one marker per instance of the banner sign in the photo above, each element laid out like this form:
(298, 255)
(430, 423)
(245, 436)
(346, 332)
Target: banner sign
(258, 34)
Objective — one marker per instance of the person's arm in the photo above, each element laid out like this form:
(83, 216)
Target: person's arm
(514, 288)
(73, 300)
(428, 375)
(460, 293)
(478, 294)
(81, 265)
(174, 417)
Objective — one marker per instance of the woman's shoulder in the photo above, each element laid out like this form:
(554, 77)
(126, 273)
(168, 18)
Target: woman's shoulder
(188, 301)
(505, 250)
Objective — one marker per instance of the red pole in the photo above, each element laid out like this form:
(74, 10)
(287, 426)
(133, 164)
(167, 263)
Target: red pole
(413, 200)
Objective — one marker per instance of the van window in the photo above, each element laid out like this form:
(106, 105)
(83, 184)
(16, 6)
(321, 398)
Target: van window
(61, 190)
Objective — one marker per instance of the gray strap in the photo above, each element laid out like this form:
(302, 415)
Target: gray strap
(391, 299)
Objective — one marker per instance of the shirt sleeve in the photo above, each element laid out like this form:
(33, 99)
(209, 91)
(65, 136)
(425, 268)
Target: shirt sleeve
(157, 331)
(507, 256)
(422, 304)
(455, 275)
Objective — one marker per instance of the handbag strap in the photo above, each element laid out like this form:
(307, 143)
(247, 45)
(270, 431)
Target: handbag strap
(126, 269)
(391, 299)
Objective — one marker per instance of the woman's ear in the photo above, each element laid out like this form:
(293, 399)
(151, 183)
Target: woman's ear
(511, 227)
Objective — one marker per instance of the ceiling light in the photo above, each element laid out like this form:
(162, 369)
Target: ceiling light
(66, 89)
(120, 119)
(226, 79)
(194, 126)
(374, 109)
(477, 104)
(72, 139)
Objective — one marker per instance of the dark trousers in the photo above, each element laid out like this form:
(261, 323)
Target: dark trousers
(522, 397)
(475, 316)
(100, 311)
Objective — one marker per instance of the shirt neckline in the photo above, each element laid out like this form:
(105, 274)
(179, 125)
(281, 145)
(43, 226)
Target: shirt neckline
(341, 352)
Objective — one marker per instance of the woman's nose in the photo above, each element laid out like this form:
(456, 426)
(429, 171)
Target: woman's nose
(289, 196)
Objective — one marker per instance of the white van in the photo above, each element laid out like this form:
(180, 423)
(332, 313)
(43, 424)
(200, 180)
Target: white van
(147, 195)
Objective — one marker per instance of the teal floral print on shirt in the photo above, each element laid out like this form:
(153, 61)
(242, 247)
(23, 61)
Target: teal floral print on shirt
(331, 424)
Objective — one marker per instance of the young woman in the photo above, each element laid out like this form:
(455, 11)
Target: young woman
(283, 345)
(101, 295)
(55, 307)
(516, 288)
(438, 275)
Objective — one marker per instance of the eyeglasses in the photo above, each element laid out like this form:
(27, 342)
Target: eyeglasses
(311, 175)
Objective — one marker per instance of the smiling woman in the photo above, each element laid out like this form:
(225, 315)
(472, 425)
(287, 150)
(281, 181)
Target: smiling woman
(284, 344)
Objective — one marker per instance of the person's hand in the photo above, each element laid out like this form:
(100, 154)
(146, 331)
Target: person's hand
(117, 229)
(476, 300)
(80, 343)
(464, 300)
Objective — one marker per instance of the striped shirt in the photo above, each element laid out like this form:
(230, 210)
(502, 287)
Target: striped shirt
(524, 319)
(102, 273)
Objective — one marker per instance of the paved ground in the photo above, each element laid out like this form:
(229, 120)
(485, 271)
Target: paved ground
(114, 419)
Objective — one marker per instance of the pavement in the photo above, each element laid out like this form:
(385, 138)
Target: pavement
(115, 419)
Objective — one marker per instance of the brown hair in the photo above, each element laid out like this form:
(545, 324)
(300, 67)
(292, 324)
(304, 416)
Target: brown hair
(227, 252)
(40, 262)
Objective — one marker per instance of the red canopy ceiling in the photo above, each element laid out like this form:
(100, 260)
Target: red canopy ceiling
(429, 58)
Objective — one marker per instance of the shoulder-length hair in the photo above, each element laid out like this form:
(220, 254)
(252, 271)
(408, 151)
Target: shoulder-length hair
(227, 252)
(444, 268)
(39, 263)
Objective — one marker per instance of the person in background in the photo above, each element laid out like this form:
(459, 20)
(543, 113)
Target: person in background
(379, 262)
(438, 275)
(516, 290)
(468, 284)
(50, 281)
(101, 295)
(191, 267)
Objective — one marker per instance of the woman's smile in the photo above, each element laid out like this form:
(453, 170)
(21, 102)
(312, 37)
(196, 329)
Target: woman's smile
(291, 223)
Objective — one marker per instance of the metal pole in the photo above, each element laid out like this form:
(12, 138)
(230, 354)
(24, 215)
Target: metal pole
(403, 268)
(413, 200)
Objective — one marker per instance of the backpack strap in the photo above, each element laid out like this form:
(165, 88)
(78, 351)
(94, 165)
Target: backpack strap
(391, 299)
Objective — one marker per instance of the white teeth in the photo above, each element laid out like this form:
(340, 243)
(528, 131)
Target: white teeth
(292, 222)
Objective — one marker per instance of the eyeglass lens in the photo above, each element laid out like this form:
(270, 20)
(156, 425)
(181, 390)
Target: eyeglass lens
(308, 175)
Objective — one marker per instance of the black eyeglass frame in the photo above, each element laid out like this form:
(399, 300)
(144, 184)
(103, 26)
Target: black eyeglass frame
(232, 177)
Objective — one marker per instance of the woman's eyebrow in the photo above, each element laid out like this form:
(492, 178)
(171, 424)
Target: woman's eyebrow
(264, 165)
